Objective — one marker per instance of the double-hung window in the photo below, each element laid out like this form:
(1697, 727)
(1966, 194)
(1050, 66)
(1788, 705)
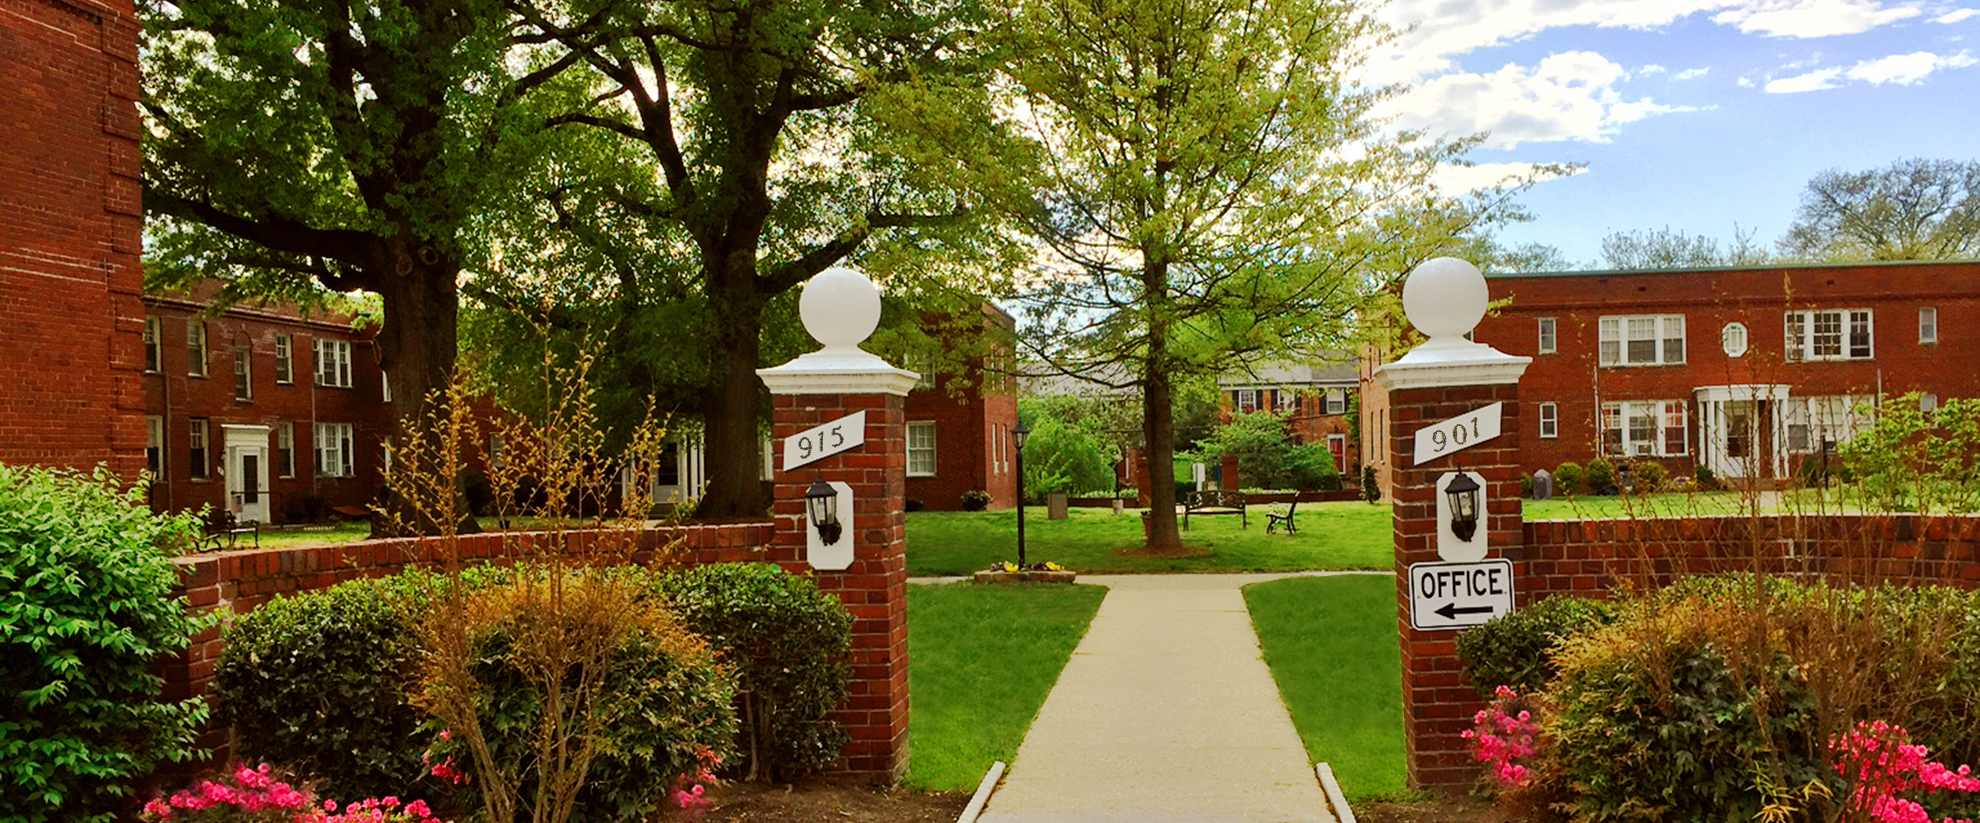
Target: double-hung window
(333, 450)
(921, 449)
(285, 449)
(1550, 421)
(285, 359)
(154, 446)
(1337, 401)
(1812, 421)
(1645, 428)
(195, 348)
(198, 457)
(1549, 336)
(1247, 400)
(154, 346)
(1642, 340)
(1285, 400)
(243, 374)
(333, 363)
(1829, 334)
(1928, 325)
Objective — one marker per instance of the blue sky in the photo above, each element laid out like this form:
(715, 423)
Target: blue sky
(1694, 114)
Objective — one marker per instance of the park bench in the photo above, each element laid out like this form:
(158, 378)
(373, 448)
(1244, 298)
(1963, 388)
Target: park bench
(221, 523)
(1215, 502)
(1285, 518)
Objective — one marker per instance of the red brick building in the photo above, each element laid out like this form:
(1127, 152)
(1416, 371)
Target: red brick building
(1746, 372)
(70, 236)
(1315, 400)
(263, 411)
(959, 426)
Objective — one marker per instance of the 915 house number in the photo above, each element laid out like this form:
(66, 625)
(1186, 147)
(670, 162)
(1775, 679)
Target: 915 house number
(1459, 433)
(820, 442)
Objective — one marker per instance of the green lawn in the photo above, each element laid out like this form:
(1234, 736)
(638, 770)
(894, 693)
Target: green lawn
(983, 658)
(1331, 536)
(1331, 643)
(1674, 504)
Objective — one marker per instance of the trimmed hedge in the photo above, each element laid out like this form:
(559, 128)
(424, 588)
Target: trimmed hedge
(788, 643)
(86, 609)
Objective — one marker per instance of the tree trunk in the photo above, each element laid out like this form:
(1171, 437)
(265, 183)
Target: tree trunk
(417, 346)
(1158, 414)
(733, 441)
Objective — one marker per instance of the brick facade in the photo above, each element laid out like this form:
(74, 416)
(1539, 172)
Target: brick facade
(177, 394)
(1573, 379)
(972, 416)
(70, 235)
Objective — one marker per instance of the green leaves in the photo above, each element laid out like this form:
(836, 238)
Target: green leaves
(85, 612)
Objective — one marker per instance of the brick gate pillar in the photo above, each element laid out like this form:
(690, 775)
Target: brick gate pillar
(1446, 378)
(840, 307)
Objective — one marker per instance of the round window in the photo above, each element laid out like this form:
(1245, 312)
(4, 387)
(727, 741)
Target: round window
(1734, 339)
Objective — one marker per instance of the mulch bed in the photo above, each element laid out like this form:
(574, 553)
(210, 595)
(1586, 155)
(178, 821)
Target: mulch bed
(818, 802)
(1448, 810)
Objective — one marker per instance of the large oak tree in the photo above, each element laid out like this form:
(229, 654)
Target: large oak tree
(1914, 209)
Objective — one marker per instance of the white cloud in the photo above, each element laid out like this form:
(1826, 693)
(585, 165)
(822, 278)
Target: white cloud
(1568, 96)
(1812, 81)
(1651, 69)
(1460, 179)
(1692, 74)
(1955, 16)
(1812, 18)
(1907, 69)
(1746, 82)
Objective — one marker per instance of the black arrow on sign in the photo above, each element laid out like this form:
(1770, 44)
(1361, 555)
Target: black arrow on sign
(1450, 611)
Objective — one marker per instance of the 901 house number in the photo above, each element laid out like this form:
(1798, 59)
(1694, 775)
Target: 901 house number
(1458, 433)
(819, 442)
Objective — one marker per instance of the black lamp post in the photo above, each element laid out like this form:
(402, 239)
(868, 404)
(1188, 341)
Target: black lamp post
(1018, 435)
(1463, 494)
(821, 502)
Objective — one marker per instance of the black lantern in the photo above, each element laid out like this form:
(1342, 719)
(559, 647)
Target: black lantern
(1018, 434)
(821, 502)
(1463, 494)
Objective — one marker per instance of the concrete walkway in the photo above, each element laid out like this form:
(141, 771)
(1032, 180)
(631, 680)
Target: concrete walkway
(1165, 714)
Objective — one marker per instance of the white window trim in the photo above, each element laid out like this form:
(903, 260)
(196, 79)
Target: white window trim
(1549, 332)
(1803, 349)
(243, 374)
(1247, 400)
(1337, 401)
(1615, 328)
(285, 440)
(333, 449)
(285, 359)
(196, 350)
(154, 444)
(1550, 421)
(333, 363)
(199, 437)
(1928, 326)
(154, 345)
(1660, 435)
(384, 387)
(929, 427)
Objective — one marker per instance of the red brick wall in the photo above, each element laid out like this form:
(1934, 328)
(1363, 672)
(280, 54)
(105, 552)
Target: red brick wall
(1759, 298)
(174, 395)
(966, 434)
(874, 588)
(1437, 705)
(69, 235)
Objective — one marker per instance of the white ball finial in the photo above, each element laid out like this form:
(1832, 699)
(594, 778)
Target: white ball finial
(840, 307)
(1445, 298)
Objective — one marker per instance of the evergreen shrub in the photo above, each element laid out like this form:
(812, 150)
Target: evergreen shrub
(788, 643)
(1567, 479)
(1601, 476)
(1516, 649)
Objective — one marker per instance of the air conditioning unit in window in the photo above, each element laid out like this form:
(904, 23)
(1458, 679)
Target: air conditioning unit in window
(1643, 450)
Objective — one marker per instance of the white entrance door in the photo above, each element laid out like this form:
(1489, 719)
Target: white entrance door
(247, 472)
(1739, 430)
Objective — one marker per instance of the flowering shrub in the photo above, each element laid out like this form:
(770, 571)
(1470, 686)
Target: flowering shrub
(1504, 738)
(1008, 566)
(1882, 763)
(249, 794)
(690, 790)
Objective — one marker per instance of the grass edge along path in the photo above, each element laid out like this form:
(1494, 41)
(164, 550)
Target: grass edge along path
(1331, 645)
(982, 660)
(1348, 535)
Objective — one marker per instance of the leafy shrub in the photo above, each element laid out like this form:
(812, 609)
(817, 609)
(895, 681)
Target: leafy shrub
(1655, 718)
(915, 504)
(322, 682)
(1064, 458)
(639, 700)
(85, 610)
(1567, 479)
(1517, 649)
(1526, 485)
(1371, 489)
(1311, 468)
(1707, 480)
(1601, 477)
(788, 642)
(975, 500)
(1650, 476)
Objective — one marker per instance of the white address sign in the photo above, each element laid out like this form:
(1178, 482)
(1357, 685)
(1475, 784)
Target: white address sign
(823, 441)
(1458, 433)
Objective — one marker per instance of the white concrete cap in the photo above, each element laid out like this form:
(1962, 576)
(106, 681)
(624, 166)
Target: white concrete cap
(840, 307)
